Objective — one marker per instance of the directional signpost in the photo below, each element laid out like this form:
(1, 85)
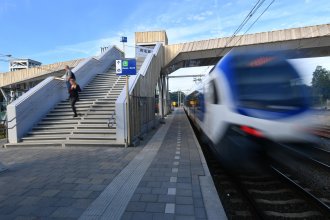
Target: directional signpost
(126, 67)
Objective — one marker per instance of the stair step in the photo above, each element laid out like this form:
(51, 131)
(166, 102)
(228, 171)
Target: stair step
(79, 103)
(99, 113)
(64, 122)
(89, 93)
(103, 117)
(50, 132)
(94, 121)
(96, 131)
(94, 126)
(99, 86)
(67, 113)
(67, 105)
(63, 118)
(68, 143)
(92, 93)
(62, 109)
(90, 137)
(44, 137)
(57, 127)
(108, 106)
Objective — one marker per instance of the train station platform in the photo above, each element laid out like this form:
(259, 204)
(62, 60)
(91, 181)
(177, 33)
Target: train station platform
(165, 178)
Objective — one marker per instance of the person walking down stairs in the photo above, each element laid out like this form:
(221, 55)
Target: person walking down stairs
(74, 95)
(69, 75)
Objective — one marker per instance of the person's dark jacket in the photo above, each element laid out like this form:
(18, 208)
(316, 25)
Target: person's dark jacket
(74, 93)
(69, 74)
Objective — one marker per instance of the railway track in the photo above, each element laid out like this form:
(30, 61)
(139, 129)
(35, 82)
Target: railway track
(273, 192)
(310, 153)
(323, 203)
(315, 163)
(270, 194)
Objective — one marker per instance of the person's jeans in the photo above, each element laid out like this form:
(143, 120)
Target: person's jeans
(73, 101)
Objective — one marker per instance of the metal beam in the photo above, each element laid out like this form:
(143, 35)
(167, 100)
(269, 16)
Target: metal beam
(199, 75)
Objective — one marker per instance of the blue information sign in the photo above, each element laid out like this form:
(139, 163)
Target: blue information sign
(126, 67)
(123, 39)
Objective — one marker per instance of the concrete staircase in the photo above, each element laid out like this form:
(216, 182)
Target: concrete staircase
(95, 125)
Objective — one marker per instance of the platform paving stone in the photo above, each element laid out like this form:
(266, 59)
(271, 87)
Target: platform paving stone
(172, 178)
(57, 183)
(63, 183)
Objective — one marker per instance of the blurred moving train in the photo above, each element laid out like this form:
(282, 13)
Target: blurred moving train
(247, 98)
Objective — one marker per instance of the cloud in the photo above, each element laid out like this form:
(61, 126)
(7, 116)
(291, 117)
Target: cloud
(228, 4)
(201, 16)
(79, 50)
(6, 6)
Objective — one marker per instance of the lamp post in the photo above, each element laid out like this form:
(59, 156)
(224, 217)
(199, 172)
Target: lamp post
(123, 40)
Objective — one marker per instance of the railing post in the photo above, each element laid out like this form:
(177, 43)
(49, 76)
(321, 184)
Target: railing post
(128, 113)
(7, 129)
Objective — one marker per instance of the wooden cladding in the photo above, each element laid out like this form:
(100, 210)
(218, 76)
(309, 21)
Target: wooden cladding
(151, 37)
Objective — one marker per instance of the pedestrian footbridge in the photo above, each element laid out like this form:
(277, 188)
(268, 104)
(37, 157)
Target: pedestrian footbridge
(42, 116)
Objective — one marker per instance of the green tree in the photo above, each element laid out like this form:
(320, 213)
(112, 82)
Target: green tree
(321, 84)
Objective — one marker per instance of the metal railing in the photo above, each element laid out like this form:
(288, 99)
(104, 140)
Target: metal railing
(143, 112)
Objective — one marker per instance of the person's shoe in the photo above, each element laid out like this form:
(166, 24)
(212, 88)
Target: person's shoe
(75, 116)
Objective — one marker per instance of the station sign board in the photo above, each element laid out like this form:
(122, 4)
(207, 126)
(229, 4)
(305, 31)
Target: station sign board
(126, 67)
(123, 39)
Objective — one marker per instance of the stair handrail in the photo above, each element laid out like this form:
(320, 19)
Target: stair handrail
(144, 68)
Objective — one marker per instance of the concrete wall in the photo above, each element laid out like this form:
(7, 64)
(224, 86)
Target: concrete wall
(30, 108)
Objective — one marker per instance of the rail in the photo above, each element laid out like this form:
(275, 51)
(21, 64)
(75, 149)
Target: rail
(32, 106)
(322, 205)
(310, 155)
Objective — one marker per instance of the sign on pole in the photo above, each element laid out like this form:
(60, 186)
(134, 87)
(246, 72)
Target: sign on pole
(123, 39)
(126, 67)
(118, 67)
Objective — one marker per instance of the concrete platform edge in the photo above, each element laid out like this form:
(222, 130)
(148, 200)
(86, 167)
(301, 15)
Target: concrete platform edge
(213, 206)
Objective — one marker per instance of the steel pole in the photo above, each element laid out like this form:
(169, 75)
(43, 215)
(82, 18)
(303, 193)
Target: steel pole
(127, 113)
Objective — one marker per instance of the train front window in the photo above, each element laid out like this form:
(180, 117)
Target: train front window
(275, 88)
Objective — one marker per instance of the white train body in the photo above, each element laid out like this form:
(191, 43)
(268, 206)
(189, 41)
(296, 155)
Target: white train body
(257, 95)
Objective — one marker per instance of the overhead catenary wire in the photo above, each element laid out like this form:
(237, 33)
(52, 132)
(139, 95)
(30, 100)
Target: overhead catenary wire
(254, 22)
(248, 16)
(243, 23)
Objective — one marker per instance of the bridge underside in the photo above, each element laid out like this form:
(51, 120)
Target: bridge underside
(305, 48)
